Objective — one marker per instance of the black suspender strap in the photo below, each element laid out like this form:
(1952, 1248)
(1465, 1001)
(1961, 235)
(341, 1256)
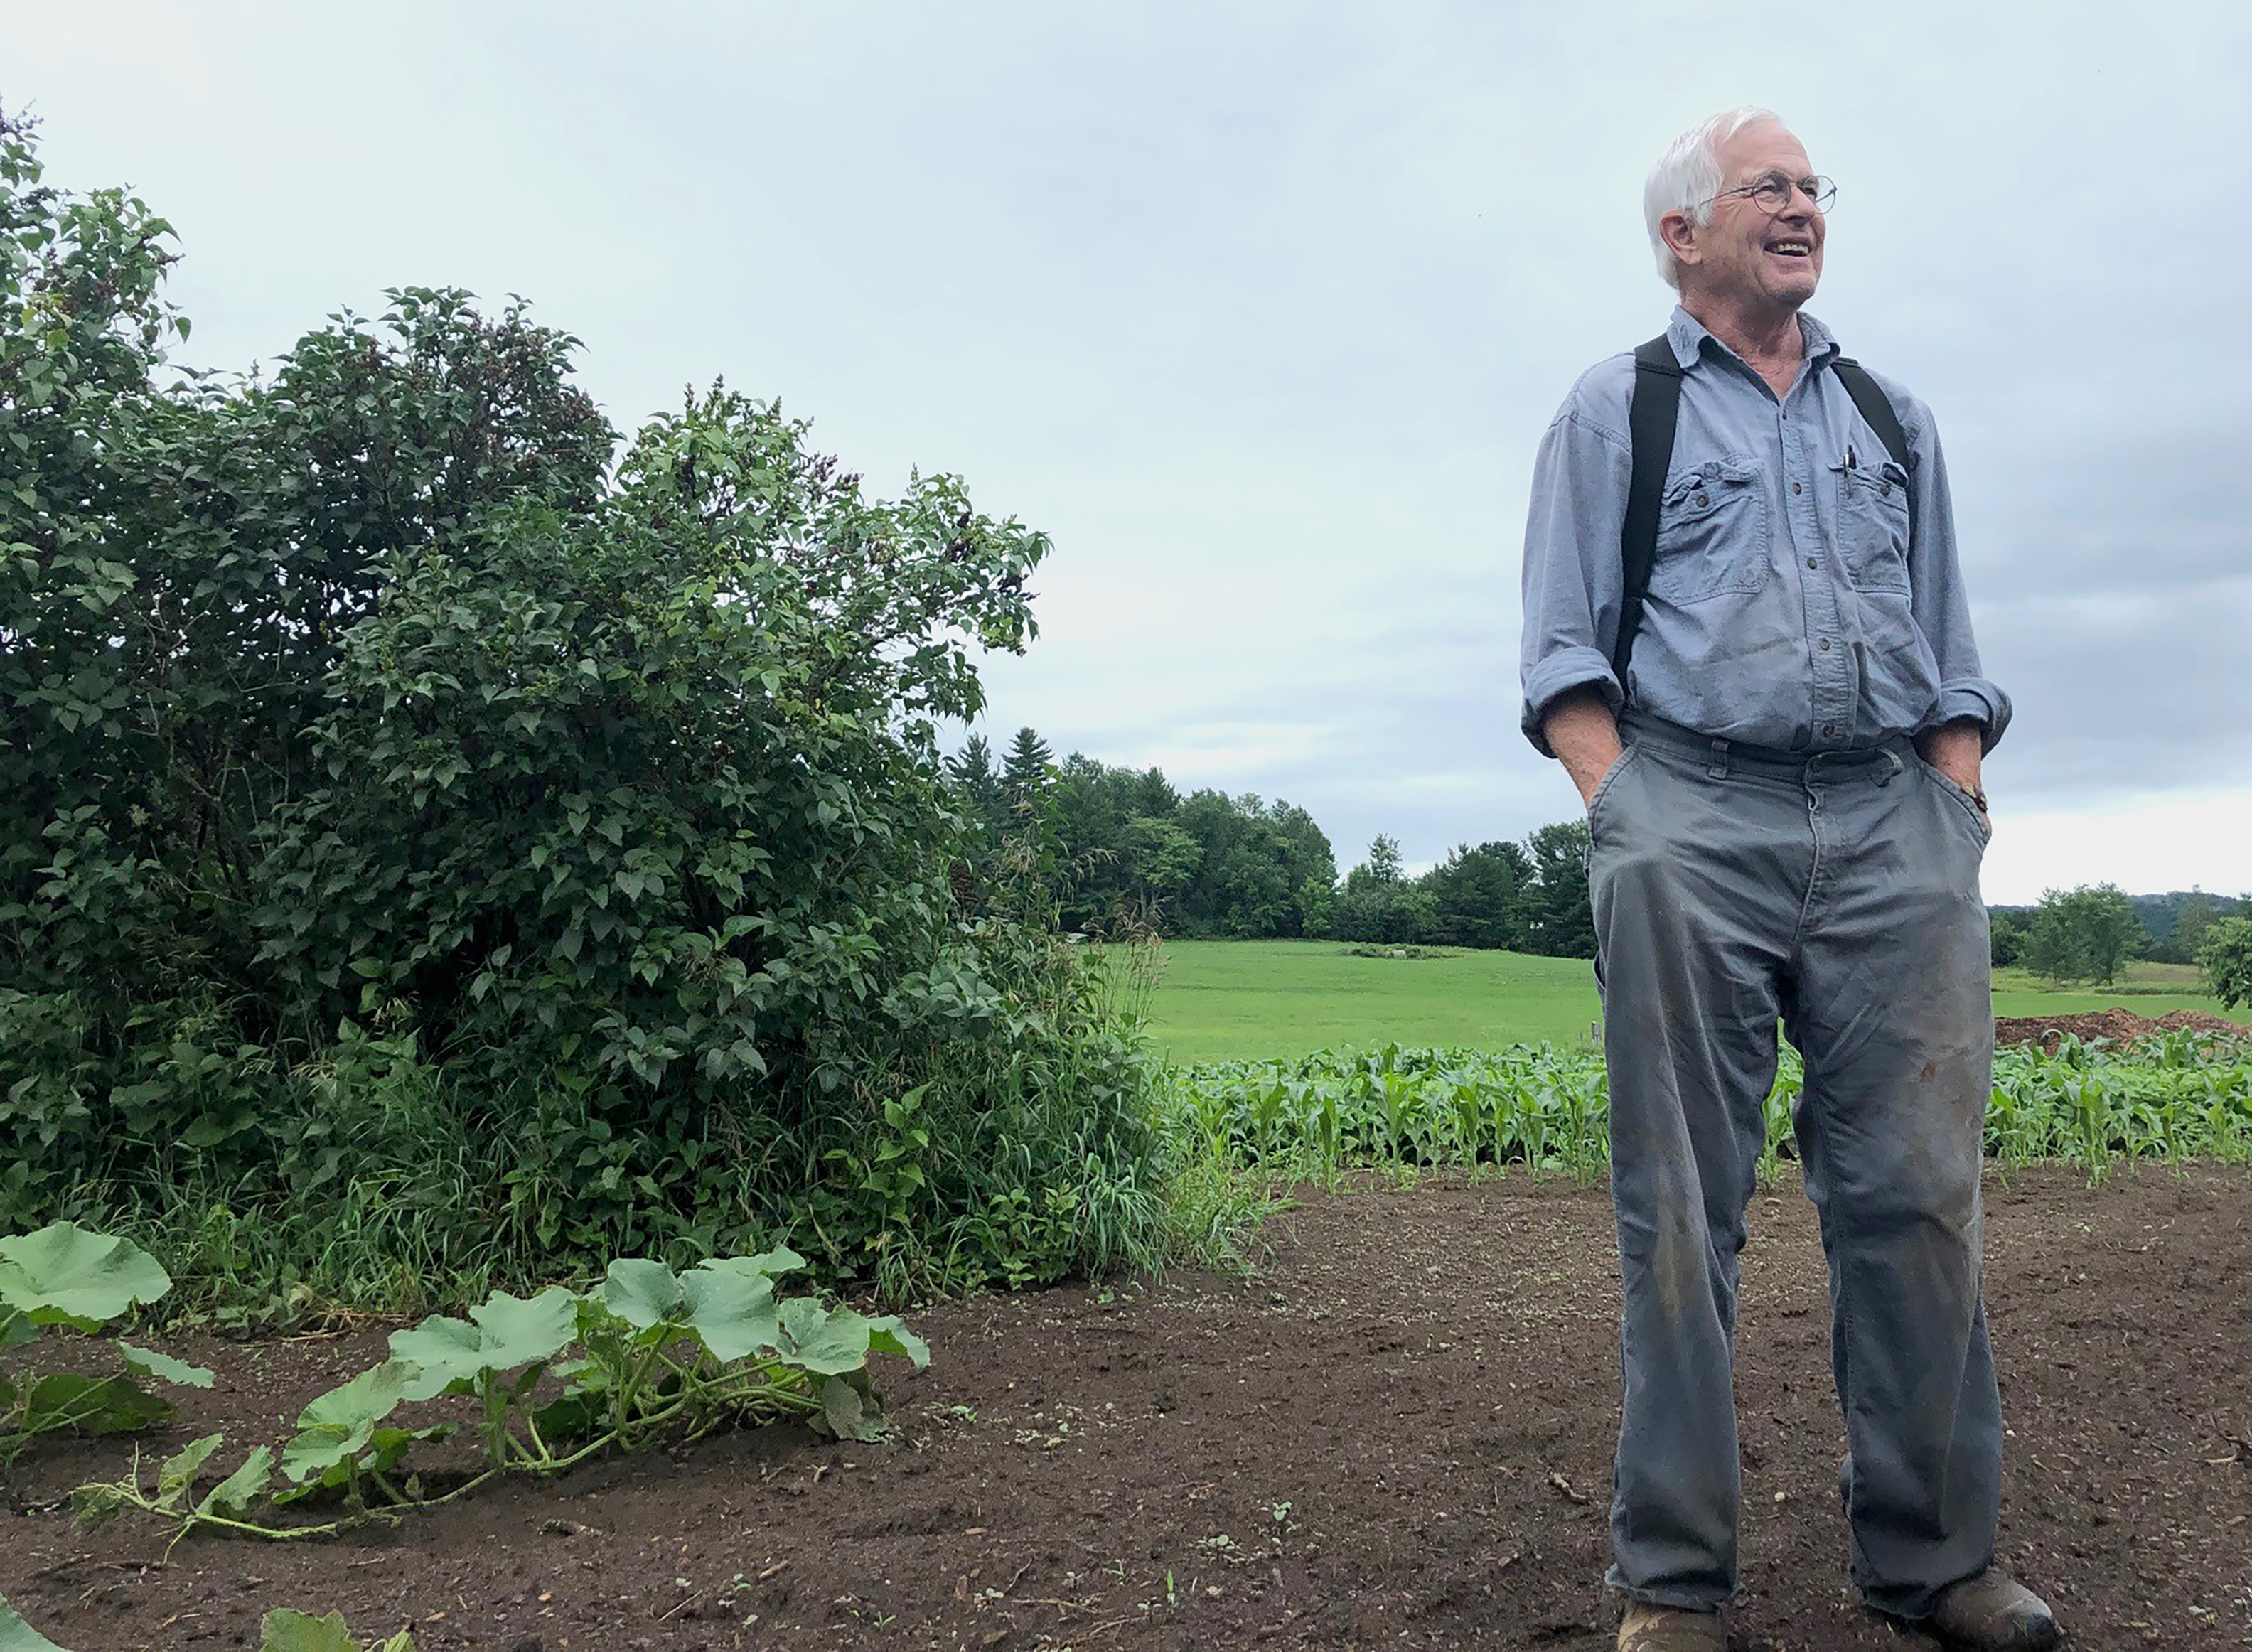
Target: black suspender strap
(1652, 414)
(1877, 408)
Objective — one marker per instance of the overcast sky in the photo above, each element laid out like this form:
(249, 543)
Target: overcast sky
(1259, 310)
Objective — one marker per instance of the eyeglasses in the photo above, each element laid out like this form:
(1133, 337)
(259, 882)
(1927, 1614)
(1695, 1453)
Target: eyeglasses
(1773, 192)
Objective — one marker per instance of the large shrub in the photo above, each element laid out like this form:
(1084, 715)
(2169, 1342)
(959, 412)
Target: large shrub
(2225, 954)
(427, 848)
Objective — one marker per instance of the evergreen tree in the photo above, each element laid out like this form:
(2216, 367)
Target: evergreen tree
(1384, 864)
(1030, 768)
(971, 768)
(1477, 896)
(1559, 919)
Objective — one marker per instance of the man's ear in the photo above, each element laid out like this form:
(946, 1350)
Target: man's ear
(1680, 237)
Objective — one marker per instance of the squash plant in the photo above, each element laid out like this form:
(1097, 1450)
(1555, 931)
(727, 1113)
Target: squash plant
(285, 1631)
(65, 1277)
(553, 1380)
(280, 1631)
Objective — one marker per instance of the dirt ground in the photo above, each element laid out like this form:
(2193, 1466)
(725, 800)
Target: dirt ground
(1396, 1434)
(2117, 1026)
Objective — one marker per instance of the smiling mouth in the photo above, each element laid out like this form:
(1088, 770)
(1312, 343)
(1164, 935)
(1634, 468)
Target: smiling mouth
(1791, 248)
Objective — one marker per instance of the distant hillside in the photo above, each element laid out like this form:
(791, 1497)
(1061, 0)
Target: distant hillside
(2160, 913)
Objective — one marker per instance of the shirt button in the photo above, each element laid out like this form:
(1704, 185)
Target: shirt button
(1885, 490)
(1829, 731)
(1702, 501)
(1812, 563)
(1825, 645)
(1794, 487)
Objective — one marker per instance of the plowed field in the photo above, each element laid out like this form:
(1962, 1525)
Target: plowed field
(1396, 1434)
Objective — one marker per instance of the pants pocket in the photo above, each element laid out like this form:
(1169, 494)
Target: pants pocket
(1964, 805)
(1603, 790)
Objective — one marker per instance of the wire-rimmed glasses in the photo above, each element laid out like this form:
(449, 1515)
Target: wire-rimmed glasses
(1772, 193)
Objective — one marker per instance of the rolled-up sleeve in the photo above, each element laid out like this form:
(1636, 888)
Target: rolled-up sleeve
(1938, 600)
(1572, 580)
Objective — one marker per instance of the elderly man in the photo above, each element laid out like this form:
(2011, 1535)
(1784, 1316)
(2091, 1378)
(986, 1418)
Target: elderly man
(1747, 639)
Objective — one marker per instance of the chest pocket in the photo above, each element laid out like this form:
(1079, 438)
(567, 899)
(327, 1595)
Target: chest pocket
(1873, 524)
(1712, 533)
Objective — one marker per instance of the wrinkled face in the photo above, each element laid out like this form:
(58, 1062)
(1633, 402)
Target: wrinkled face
(1745, 256)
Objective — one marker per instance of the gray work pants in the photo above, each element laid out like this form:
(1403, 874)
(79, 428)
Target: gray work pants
(1838, 894)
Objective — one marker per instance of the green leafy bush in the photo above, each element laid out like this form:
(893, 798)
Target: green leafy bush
(2226, 957)
(430, 855)
(65, 1277)
(659, 1355)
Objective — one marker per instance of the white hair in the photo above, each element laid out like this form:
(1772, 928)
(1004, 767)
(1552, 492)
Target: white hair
(1688, 175)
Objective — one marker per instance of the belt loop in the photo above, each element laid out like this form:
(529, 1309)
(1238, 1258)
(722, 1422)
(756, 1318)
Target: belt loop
(1895, 771)
(1718, 769)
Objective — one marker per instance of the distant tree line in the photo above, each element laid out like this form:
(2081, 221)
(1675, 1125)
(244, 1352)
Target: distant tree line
(1121, 844)
(1116, 845)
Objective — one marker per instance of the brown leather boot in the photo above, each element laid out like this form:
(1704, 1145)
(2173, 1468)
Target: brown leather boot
(1993, 1611)
(1653, 1628)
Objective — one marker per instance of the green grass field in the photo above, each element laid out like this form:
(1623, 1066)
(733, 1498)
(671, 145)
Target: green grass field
(1226, 1000)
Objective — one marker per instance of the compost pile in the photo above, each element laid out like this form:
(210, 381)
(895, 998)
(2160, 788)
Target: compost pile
(2114, 1025)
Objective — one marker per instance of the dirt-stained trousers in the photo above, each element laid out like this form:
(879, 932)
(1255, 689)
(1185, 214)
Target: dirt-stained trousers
(1839, 893)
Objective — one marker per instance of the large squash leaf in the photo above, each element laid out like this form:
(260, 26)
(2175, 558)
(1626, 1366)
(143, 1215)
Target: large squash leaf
(66, 1274)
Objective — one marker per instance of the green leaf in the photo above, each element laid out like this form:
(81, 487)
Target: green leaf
(181, 1468)
(285, 1631)
(573, 1416)
(503, 1332)
(239, 1492)
(764, 1265)
(383, 1451)
(826, 1342)
(66, 1274)
(830, 1342)
(849, 1414)
(97, 1504)
(644, 1293)
(15, 1329)
(887, 1334)
(92, 1405)
(335, 1427)
(144, 1362)
(733, 1313)
(15, 1635)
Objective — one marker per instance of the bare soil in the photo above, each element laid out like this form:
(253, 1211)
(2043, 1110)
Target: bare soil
(1397, 1433)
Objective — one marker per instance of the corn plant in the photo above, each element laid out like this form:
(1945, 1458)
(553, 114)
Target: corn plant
(64, 1278)
(553, 1380)
(2175, 1097)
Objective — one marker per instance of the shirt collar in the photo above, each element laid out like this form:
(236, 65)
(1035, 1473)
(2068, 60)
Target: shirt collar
(1687, 335)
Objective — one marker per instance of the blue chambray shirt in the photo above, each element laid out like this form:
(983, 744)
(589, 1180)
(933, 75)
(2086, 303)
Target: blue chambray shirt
(1792, 603)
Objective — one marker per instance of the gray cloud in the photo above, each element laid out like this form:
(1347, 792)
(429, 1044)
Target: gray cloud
(1260, 309)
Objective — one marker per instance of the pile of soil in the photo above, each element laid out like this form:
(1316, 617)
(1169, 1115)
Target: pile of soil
(2116, 1025)
(1396, 1434)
